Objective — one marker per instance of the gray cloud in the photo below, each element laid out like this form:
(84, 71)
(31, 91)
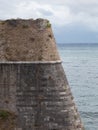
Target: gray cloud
(45, 12)
(59, 12)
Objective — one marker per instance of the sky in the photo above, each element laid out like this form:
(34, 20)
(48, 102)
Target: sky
(73, 21)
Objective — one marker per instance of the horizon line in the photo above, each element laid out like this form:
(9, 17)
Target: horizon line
(75, 43)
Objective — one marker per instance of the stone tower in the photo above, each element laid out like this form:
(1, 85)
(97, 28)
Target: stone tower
(34, 91)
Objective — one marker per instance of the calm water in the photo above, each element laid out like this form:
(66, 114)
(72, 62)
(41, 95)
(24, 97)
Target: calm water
(81, 66)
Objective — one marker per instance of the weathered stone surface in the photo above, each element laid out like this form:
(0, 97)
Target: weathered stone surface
(40, 96)
(33, 87)
(27, 40)
(7, 120)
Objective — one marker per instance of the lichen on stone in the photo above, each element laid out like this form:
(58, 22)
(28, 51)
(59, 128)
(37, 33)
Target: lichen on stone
(7, 120)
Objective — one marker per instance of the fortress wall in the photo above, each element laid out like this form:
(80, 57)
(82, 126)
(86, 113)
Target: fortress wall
(34, 92)
(39, 95)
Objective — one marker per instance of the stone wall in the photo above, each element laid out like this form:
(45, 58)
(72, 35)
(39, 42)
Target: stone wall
(27, 40)
(38, 96)
(34, 92)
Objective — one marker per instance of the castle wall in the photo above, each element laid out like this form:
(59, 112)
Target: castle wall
(39, 96)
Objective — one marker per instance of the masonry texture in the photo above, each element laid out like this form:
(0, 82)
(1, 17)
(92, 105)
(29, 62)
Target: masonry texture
(34, 92)
(27, 40)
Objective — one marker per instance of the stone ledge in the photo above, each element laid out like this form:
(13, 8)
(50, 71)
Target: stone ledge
(30, 62)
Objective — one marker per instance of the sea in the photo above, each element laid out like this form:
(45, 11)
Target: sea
(80, 62)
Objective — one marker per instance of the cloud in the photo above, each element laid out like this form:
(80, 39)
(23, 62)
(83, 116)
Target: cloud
(59, 12)
(45, 12)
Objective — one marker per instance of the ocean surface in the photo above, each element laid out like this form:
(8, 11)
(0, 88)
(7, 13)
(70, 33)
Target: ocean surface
(80, 62)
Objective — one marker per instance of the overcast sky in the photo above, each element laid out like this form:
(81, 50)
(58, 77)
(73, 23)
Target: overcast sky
(73, 21)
